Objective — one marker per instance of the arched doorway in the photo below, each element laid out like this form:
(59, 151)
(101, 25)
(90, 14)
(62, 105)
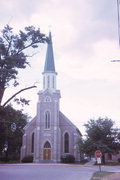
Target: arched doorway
(47, 151)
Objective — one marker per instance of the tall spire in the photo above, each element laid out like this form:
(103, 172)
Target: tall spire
(49, 62)
(49, 74)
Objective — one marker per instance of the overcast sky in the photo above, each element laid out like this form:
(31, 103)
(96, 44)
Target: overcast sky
(85, 40)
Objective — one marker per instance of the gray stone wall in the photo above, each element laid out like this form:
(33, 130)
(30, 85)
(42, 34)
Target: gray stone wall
(59, 125)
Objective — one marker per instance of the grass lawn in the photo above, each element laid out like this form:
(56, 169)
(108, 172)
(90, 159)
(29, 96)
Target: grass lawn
(82, 162)
(98, 175)
(110, 163)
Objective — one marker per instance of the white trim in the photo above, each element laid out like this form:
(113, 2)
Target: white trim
(49, 82)
(43, 82)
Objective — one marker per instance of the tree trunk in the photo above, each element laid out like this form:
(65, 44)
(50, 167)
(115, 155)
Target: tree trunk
(103, 158)
(2, 90)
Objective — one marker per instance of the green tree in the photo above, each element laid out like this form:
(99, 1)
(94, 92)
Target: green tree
(101, 134)
(13, 139)
(13, 54)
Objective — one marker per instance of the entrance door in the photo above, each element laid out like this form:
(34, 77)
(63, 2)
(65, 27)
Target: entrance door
(47, 154)
(47, 151)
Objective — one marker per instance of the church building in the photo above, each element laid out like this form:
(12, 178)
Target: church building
(50, 134)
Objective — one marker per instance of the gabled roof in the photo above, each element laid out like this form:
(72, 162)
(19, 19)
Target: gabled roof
(49, 62)
(30, 123)
(69, 122)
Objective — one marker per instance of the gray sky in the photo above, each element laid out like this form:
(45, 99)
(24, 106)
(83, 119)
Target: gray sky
(85, 40)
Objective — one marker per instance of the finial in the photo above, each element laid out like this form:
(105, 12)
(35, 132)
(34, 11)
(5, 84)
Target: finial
(49, 28)
(50, 37)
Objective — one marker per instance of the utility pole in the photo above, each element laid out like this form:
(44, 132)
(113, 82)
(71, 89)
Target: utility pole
(118, 15)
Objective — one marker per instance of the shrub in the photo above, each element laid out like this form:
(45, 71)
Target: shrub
(119, 160)
(27, 159)
(67, 158)
(4, 159)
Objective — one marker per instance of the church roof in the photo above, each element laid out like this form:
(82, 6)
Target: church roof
(64, 119)
(49, 61)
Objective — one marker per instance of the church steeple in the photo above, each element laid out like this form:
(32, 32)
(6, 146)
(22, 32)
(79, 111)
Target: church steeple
(49, 74)
(49, 62)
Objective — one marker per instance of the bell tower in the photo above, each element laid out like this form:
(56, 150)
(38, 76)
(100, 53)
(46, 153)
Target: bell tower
(47, 124)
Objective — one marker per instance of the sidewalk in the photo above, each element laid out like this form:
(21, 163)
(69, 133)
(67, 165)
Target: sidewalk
(115, 176)
(91, 162)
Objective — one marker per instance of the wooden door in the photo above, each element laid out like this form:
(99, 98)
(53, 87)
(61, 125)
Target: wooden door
(47, 154)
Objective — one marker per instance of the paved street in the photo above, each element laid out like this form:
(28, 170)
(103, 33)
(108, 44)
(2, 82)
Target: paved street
(49, 172)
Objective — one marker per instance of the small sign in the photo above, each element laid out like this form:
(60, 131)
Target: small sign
(98, 154)
(98, 160)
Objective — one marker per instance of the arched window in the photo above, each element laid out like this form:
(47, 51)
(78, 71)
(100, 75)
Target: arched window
(32, 144)
(53, 82)
(44, 82)
(47, 99)
(66, 143)
(48, 81)
(47, 145)
(47, 120)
